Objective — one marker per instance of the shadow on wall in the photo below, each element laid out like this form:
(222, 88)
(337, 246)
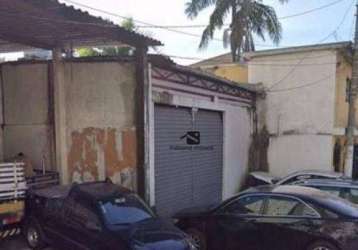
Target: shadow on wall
(258, 152)
(97, 153)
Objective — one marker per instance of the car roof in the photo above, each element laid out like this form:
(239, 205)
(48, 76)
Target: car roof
(287, 189)
(330, 182)
(316, 172)
(101, 190)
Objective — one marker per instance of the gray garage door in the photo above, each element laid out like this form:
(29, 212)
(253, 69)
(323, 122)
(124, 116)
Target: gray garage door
(188, 158)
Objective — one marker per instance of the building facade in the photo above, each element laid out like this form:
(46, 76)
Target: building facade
(200, 127)
(304, 109)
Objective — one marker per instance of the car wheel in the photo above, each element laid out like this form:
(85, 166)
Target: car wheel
(34, 235)
(322, 245)
(198, 238)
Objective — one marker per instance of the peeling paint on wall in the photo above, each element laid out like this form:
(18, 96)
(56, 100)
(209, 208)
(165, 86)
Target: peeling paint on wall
(97, 153)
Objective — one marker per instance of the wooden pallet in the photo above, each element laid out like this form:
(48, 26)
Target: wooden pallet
(12, 181)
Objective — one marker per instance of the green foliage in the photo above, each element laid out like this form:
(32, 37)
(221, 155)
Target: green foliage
(110, 51)
(248, 17)
(85, 52)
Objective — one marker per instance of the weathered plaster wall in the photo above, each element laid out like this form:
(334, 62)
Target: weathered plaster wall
(299, 111)
(27, 127)
(101, 134)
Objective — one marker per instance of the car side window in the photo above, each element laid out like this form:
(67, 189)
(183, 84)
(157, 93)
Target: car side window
(85, 215)
(353, 195)
(285, 206)
(79, 214)
(336, 191)
(248, 205)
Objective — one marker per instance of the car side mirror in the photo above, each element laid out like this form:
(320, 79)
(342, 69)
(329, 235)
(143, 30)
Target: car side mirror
(275, 180)
(92, 226)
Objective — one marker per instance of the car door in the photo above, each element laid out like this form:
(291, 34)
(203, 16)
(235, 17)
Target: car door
(234, 225)
(286, 223)
(86, 227)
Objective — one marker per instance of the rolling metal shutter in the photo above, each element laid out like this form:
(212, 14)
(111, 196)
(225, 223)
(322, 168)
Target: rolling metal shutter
(187, 175)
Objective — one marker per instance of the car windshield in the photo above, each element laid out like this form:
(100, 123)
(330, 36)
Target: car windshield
(124, 210)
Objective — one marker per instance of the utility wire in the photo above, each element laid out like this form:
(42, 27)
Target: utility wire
(134, 20)
(282, 18)
(312, 10)
(149, 24)
(302, 86)
(322, 40)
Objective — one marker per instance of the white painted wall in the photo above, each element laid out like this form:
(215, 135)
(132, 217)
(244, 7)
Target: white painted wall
(291, 153)
(237, 133)
(298, 109)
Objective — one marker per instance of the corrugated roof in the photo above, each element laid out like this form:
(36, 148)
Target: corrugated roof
(49, 23)
(86, 14)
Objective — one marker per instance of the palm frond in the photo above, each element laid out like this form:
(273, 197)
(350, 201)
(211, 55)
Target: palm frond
(270, 22)
(216, 21)
(263, 20)
(195, 6)
(248, 17)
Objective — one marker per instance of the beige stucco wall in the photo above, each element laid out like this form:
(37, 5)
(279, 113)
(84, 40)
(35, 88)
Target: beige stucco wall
(299, 111)
(100, 122)
(27, 127)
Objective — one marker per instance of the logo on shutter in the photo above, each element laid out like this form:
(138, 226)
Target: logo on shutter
(192, 137)
(192, 140)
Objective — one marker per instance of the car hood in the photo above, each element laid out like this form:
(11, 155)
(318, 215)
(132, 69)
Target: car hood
(155, 234)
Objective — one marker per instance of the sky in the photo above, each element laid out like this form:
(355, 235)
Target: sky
(302, 30)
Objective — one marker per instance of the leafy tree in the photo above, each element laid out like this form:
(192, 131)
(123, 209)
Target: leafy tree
(113, 50)
(248, 17)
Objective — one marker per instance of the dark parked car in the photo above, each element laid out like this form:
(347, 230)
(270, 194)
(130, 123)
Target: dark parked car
(97, 215)
(274, 218)
(344, 188)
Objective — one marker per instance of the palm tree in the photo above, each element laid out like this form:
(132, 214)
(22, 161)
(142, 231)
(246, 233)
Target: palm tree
(248, 17)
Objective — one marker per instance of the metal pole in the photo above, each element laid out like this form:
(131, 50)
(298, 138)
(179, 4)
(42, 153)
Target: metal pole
(352, 109)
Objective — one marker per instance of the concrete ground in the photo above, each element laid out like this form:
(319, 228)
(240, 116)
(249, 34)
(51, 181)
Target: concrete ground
(14, 243)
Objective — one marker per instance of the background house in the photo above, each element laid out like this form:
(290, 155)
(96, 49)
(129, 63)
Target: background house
(302, 111)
